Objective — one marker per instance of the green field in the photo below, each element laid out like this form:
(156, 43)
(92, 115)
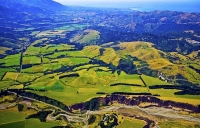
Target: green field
(11, 119)
(51, 33)
(72, 27)
(76, 61)
(91, 51)
(4, 70)
(11, 75)
(75, 53)
(35, 123)
(131, 79)
(42, 68)
(164, 92)
(197, 97)
(11, 60)
(86, 66)
(66, 54)
(6, 83)
(178, 124)
(110, 56)
(131, 123)
(192, 100)
(31, 60)
(153, 81)
(85, 86)
(70, 96)
(88, 36)
(25, 77)
(55, 48)
(32, 51)
(43, 82)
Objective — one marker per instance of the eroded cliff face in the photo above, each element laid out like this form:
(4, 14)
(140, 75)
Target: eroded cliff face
(95, 103)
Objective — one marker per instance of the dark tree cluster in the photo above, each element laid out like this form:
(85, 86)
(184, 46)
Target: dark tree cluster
(92, 105)
(126, 84)
(191, 90)
(149, 72)
(143, 81)
(130, 93)
(20, 107)
(91, 119)
(109, 121)
(70, 75)
(41, 115)
(127, 66)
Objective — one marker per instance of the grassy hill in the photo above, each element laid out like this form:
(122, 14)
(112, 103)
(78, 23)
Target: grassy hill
(171, 64)
(88, 36)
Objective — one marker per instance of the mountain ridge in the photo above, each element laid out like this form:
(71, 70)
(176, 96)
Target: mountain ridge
(48, 5)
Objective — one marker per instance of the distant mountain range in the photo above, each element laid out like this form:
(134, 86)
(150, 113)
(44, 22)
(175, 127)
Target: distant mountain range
(32, 5)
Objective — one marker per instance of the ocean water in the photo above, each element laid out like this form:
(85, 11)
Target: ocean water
(152, 6)
(181, 7)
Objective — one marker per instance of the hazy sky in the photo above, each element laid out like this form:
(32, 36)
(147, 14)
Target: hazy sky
(140, 5)
(80, 2)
